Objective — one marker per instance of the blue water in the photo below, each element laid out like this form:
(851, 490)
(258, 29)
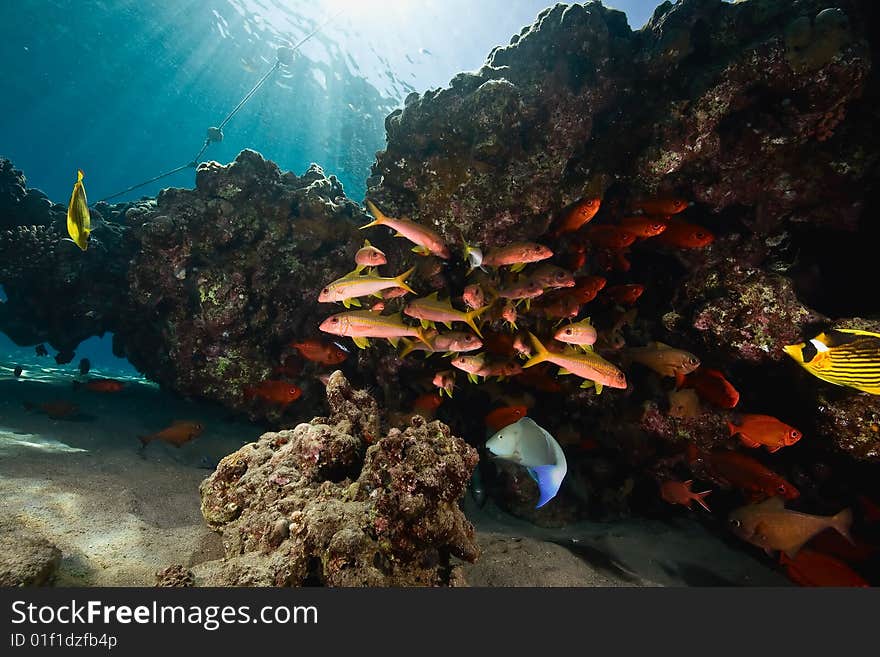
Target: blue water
(125, 89)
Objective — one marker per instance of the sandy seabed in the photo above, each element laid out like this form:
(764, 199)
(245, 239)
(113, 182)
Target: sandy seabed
(120, 512)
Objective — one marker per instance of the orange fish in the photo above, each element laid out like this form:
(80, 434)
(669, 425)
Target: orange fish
(662, 206)
(101, 385)
(683, 235)
(473, 297)
(430, 402)
(625, 295)
(756, 430)
(811, 568)
(750, 476)
(769, 525)
(665, 360)
(276, 392)
(611, 237)
(179, 433)
(644, 226)
(679, 492)
(319, 351)
(587, 287)
(576, 259)
(57, 410)
(580, 214)
(505, 416)
(517, 255)
(712, 387)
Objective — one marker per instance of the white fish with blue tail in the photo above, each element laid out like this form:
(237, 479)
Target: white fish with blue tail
(527, 444)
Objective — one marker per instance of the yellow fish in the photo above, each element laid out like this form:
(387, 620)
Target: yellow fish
(844, 357)
(78, 221)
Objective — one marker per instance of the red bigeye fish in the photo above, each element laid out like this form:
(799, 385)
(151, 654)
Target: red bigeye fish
(683, 235)
(811, 568)
(577, 216)
(505, 416)
(610, 237)
(430, 402)
(275, 392)
(179, 433)
(748, 475)
(662, 206)
(757, 430)
(679, 492)
(517, 255)
(712, 387)
(539, 378)
(587, 287)
(319, 351)
(625, 295)
(101, 385)
(427, 241)
(644, 226)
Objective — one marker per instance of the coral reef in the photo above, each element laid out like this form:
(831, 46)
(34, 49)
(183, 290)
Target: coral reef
(25, 559)
(315, 505)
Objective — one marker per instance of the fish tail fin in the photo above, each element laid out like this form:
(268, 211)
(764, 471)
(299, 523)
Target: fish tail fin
(79, 175)
(380, 218)
(472, 315)
(408, 346)
(732, 429)
(421, 336)
(541, 353)
(842, 523)
(548, 480)
(401, 280)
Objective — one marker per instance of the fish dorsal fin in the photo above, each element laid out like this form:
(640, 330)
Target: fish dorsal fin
(433, 296)
(367, 244)
(661, 345)
(858, 332)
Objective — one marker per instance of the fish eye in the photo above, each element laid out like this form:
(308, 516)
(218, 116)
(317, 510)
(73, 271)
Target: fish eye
(700, 234)
(334, 320)
(568, 331)
(795, 433)
(735, 523)
(325, 290)
(781, 489)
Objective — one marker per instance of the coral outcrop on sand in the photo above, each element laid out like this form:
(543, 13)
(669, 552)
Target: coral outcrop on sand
(332, 502)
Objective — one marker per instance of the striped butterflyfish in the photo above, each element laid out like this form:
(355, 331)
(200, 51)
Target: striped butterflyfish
(844, 357)
(78, 219)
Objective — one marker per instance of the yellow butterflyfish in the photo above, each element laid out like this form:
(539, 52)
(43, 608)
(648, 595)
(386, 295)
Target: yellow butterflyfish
(78, 220)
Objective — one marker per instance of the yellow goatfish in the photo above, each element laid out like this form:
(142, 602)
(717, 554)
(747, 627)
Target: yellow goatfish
(362, 324)
(430, 309)
(844, 357)
(426, 240)
(78, 220)
(348, 288)
(596, 370)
